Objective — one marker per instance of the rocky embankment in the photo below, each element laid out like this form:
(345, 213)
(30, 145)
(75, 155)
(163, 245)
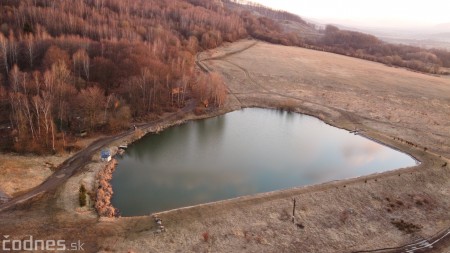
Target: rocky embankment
(104, 191)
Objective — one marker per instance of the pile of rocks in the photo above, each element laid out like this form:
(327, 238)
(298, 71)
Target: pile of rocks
(161, 228)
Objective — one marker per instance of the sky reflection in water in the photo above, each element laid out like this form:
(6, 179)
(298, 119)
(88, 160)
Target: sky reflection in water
(240, 153)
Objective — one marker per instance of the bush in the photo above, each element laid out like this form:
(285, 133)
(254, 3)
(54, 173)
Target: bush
(288, 105)
(199, 111)
(406, 227)
(82, 196)
(205, 236)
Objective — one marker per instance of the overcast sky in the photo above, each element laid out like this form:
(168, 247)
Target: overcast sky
(380, 13)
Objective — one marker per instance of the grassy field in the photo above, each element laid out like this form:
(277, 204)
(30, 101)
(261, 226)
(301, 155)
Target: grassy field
(394, 101)
(405, 110)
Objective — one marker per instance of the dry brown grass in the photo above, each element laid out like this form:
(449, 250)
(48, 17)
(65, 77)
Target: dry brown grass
(411, 106)
(349, 93)
(20, 173)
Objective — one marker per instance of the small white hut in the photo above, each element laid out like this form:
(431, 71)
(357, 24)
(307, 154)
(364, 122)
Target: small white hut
(105, 155)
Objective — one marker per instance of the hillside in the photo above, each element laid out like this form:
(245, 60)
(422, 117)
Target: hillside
(298, 32)
(405, 110)
(290, 23)
(96, 65)
(70, 66)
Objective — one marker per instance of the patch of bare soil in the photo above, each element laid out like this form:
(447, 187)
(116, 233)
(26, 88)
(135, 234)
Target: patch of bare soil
(19, 173)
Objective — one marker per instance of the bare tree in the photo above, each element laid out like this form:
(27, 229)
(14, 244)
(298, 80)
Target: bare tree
(30, 47)
(37, 105)
(90, 103)
(109, 99)
(46, 109)
(81, 63)
(29, 115)
(13, 48)
(14, 78)
(4, 51)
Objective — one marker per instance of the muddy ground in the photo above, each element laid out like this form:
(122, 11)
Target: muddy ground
(406, 110)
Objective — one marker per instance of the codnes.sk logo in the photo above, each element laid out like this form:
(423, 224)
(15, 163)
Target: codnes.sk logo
(29, 243)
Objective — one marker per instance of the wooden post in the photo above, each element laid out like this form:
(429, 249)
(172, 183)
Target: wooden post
(293, 211)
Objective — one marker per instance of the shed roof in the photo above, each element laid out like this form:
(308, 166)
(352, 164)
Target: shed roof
(105, 153)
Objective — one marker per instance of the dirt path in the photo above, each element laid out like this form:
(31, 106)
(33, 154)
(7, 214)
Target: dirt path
(65, 171)
(206, 69)
(264, 89)
(77, 162)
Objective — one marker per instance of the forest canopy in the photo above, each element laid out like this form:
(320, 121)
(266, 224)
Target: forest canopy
(95, 65)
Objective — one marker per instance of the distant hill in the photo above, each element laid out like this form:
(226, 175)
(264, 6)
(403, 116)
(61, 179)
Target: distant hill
(443, 27)
(437, 36)
(289, 22)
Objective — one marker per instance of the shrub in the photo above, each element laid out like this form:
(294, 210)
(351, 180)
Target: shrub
(406, 227)
(288, 105)
(343, 217)
(205, 236)
(199, 111)
(82, 196)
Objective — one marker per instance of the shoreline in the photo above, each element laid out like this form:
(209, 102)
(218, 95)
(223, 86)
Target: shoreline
(103, 206)
(306, 188)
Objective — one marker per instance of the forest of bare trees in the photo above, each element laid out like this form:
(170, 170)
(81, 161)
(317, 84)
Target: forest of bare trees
(369, 47)
(68, 66)
(95, 65)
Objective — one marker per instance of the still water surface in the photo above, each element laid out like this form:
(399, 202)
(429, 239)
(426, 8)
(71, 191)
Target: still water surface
(243, 152)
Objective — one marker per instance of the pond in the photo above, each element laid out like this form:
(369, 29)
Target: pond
(241, 153)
